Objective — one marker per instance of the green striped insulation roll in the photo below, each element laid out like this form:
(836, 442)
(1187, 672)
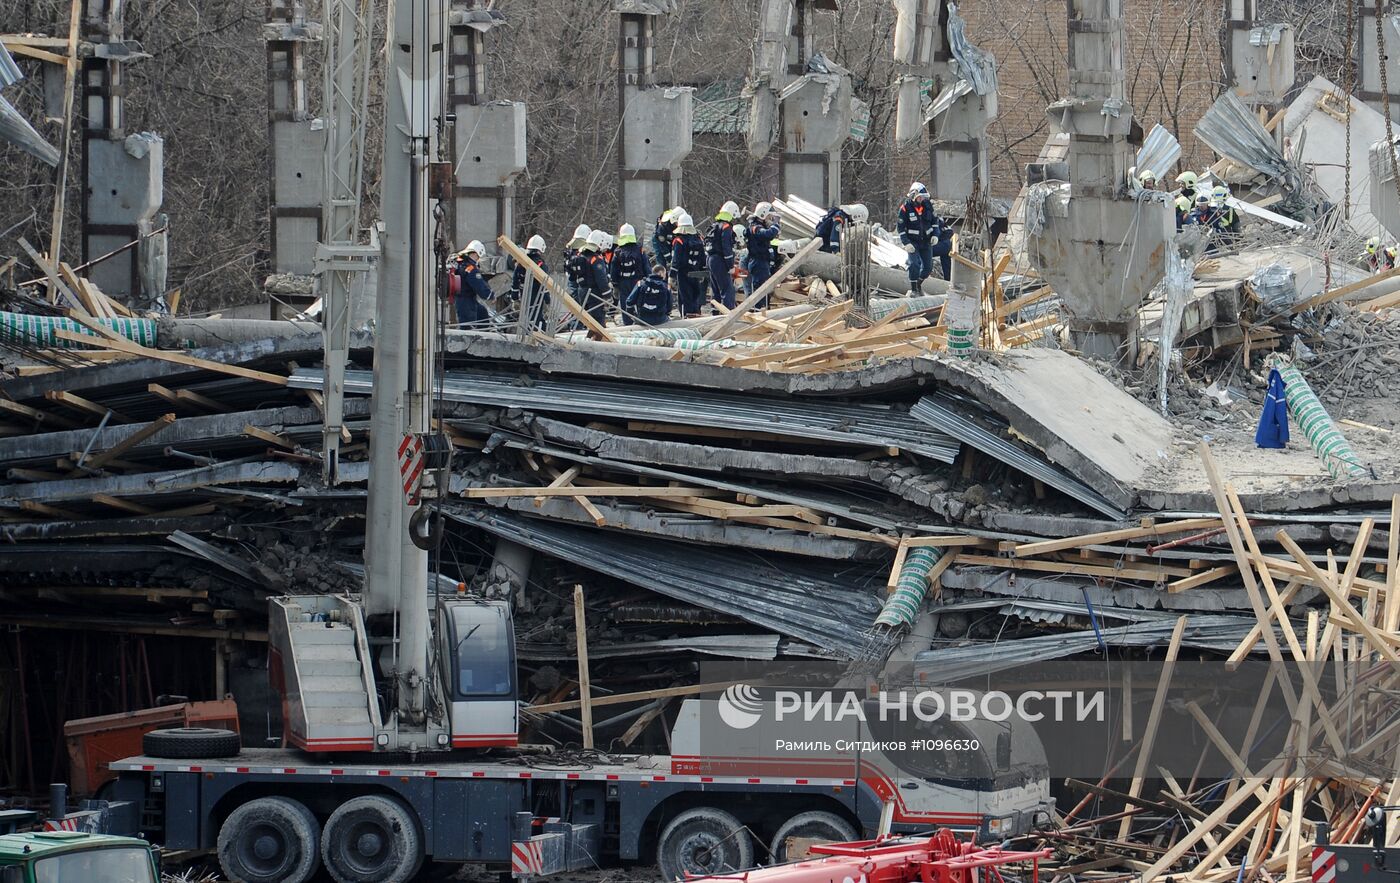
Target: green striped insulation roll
(27, 330)
(1327, 441)
(909, 592)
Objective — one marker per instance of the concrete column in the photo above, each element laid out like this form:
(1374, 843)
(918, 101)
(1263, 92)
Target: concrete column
(655, 121)
(1368, 64)
(123, 174)
(1258, 57)
(815, 117)
(296, 142)
(1100, 248)
(920, 51)
(488, 137)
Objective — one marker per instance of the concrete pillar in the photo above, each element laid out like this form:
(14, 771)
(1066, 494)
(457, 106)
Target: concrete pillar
(295, 142)
(1100, 249)
(1368, 63)
(488, 137)
(920, 53)
(123, 174)
(655, 122)
(1258, 58)
(814, 120)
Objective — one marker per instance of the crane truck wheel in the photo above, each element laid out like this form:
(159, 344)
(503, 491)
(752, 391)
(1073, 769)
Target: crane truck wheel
(372, 839)
(269, 840)
(703, 841)
(811, 826)
(190, 743)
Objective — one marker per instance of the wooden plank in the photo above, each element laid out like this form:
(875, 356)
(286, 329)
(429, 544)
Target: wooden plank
(1208, 825)
(1216, 739)
(588, 491)
(643, 722)
(33, 52)
(821, 529)
(162, 392)
(1200, 579)
(1154, 718)
(65, 139)
(36, 415)
(271, 438)
(556, 290)
(1334, 294)
(1014, 306)
(564, 478)
(78, 403)
(625, 698)
(150, 429)
(1339, 601)
(585, 686)
(124, 345)
(1113, 536)
(56, 285)
(75, 285)
(203, 402)
(900, 552)
(945, 542)
(1392, 573)
(731, 321)
(1152, 573)
(50, 511)
(124, 505)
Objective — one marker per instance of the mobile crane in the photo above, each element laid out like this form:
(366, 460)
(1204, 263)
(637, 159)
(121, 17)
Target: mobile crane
(379, 689)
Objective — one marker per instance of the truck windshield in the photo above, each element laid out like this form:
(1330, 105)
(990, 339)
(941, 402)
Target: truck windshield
(485, 666)
(124, 865)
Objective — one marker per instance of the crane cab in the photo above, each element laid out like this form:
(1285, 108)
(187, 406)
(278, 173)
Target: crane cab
(477, 653)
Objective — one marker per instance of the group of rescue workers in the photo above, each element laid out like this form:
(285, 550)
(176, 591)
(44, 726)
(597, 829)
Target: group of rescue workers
(1195, 207)
(606, 273)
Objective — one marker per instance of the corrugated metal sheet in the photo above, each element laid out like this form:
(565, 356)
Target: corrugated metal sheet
(950, 416)
(1231, 130)
(791, 597)
(1160, 151)
(875, 425)
(14, 128)
(946, 665)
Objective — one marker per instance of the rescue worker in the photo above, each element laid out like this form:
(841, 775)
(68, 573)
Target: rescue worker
(1147, 179)
(1183, 211)
(719, 244)
(650, 300)
(1227, 220)
(1186, 183)
(924, 237)
(688, 265)
(473, 290)
(662, 235)
(1379, 259)
(588, 277)
(629, 265)
(1205, 216)
(606, 249)
(537, 296)
(760, 234)
(571, 248)
(830, 228)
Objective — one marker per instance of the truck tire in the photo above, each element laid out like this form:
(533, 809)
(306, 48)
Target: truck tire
(191, 743)
(814, 826)
(703, 841)
(372, 839)
(269, 840)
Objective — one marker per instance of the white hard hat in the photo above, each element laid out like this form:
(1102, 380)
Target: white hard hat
(763, 208)
(475, 246)
(677, 212)
(608, 240)
(626, 230)
(1187, 179)
(582, 231)
(730, 208)
(917, 188)
(858, 212)
(685, 220)
(536, 243)
(1147, 175)
(597, 238)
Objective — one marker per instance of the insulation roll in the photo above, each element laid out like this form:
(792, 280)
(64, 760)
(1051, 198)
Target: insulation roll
(1327, 441)
(28, 330)
(903, 604)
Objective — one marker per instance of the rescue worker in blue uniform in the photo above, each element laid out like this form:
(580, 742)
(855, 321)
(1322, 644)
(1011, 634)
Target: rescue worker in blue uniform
(761, 232)
(663, 233)
(924, 237)
(536, 297)
(629, 265)
(473, 290)
(719, 244)
(1183, 211)
(688, 266)
(830, 228)
(588, 276)
(571, 248)
(650, 300)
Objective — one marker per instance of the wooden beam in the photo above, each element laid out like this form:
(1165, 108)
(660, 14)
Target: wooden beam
(1012, 307)
(555, 289)
(123, 345)
(32, 52)
(1145, 572)
(271, 438)
(1339, 601)
(943, 542)
(589, 491)
(1336, 293)
(625, 698)
(56, 285)
(1113, 536)
(131, 441)
(47, 510)
(900, 552)
(36, 415)
(202, 402)
(78, 403)
(70, 78)
(1200, 579)
(1154, 717)
(124, 505)
(585, 686)
(1208, 825)
(731, 321)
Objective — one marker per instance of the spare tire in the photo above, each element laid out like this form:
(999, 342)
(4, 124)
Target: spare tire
(191, 743)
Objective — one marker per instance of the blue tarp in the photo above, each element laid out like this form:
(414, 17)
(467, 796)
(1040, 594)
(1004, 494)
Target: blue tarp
(1273, 422)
